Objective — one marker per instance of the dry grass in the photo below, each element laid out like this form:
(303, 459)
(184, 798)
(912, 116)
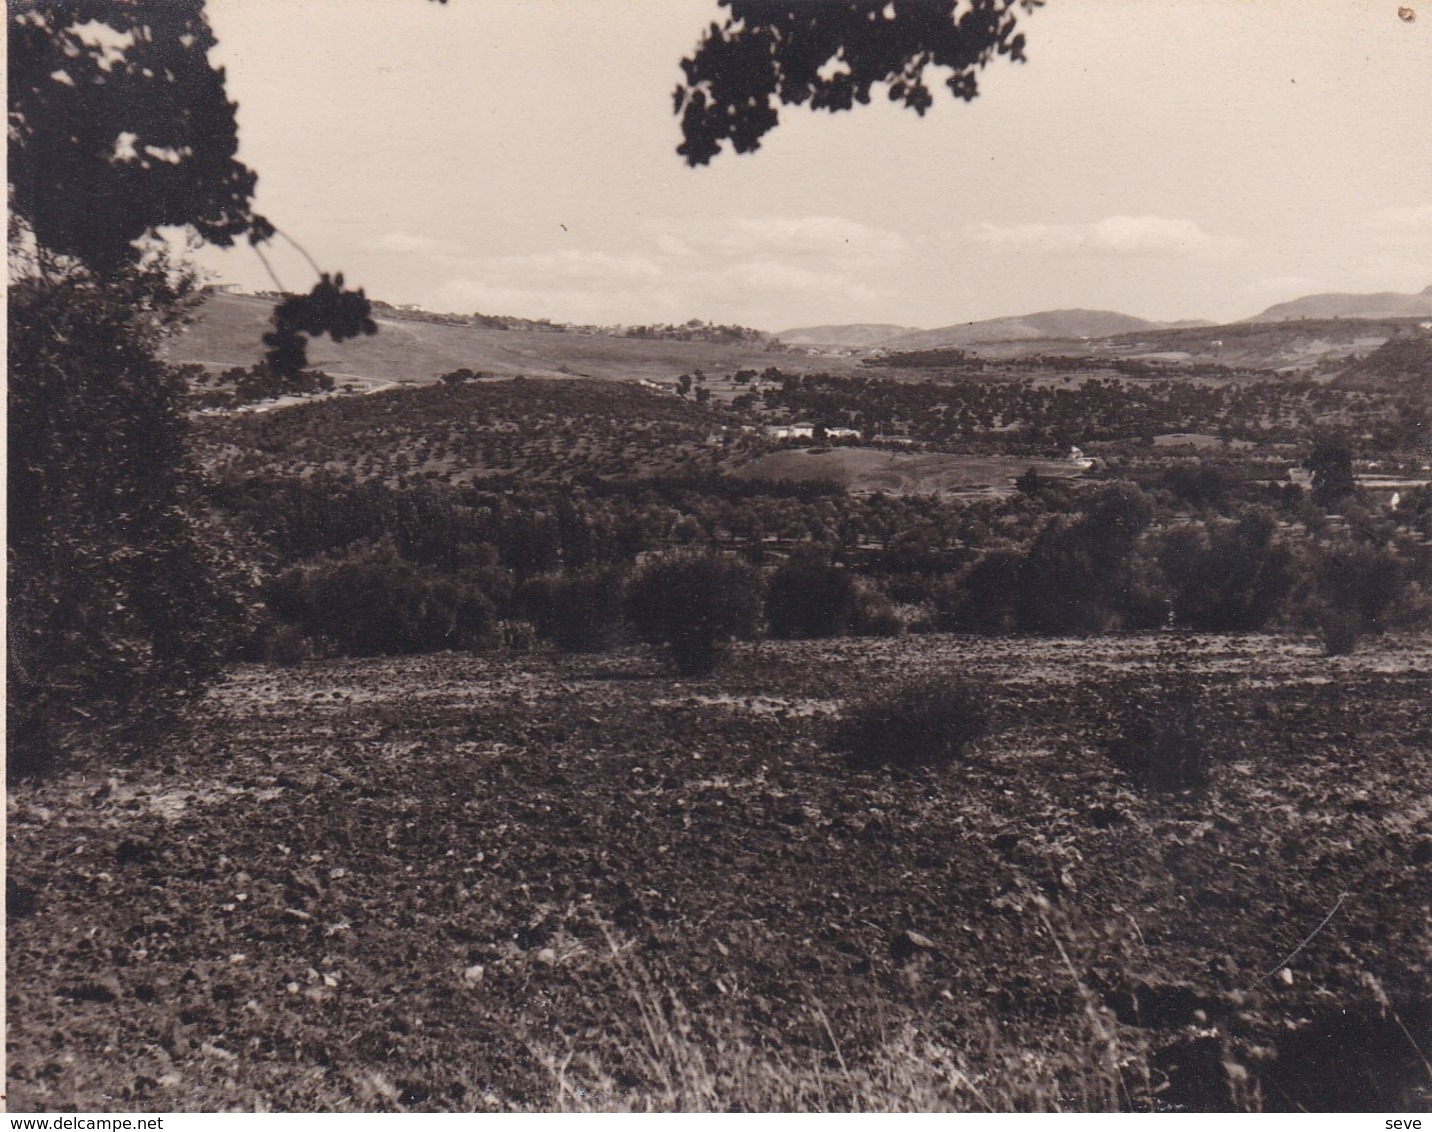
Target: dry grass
(673, 1059)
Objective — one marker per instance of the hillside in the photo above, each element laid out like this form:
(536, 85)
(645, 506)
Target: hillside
(1402, 363)
(1382, 304)
(855, 335)
(1044, 324)
(1293, 345)
(229, 331)
(542, 430)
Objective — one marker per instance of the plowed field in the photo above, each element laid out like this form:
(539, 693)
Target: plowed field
(429, 883)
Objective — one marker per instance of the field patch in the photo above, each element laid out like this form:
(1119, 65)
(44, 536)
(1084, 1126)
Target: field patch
(430, 883)
(229, 330)
(903, 473)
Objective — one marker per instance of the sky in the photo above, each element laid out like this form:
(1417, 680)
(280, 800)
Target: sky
(1162, 158)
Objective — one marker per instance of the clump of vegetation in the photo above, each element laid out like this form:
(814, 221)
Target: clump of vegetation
(1340, 629)
(370, 601)
(875, 615)
(123, 596)
(1163, 742)
(927, 721)
(578, 612)
(1229, 576)
(1357, 588)
(1163, 747)
(809, 596)
(695, 605)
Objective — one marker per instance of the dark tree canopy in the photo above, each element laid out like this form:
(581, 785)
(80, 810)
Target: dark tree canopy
(829, 55)
(1331, 466)
(116, 133)
(120, 126)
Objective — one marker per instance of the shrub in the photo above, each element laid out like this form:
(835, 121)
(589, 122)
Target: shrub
(810, 597)
(1227, 576)
(1075, 578)
(1163, 741)
(1341, 630)
(287, 645)
(980, 599)
(875, 616)
(1163, 746)
(370, 601)
(695, 604)
(927, 721)
(122, 600)
(1363, 581)
(577, 612)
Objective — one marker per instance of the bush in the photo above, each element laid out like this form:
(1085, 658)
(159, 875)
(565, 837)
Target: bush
(1364, 582)
(1227, 576)
(1163, 746)
(287, 645)
(122, 599)
(875, 616)
(810, 597)
(980, 598)
(1163, 741)
(695, 604)
(1075, 576)
(1341, 630)
(577, 612)
(370, 601)
(927, 721)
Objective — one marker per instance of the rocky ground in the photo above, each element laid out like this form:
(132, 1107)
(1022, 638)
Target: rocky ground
(432, 883)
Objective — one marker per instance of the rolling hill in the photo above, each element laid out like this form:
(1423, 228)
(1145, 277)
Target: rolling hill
(1403, 363)
(1382, 304)
(1298, 345)
(1043, 324)
(855, 335)
(229, 329)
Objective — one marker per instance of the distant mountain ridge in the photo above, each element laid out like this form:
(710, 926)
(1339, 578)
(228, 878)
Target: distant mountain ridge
(1336, 304)
(1042, 324)
(1078, 323)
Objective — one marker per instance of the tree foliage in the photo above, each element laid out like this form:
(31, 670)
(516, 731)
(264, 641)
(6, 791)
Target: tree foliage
(1330, 463)
(810, 597)
(119, 126)
(115, 133)
(327, 309)
(120, 598)
(1229, 576)
(371, 601)
(829, 55)
(695, 604)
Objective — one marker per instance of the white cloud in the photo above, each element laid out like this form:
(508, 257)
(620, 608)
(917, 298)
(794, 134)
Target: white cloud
(807, 236)
(746, 270)
(409, 244)
(1115, 235)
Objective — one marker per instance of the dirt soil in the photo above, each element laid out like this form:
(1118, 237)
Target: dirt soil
(399, 884)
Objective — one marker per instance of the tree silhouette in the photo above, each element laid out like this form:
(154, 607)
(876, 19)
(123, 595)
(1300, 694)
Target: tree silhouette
(829, 55)
(120, 126)
(113, 135)
(1331, 465)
